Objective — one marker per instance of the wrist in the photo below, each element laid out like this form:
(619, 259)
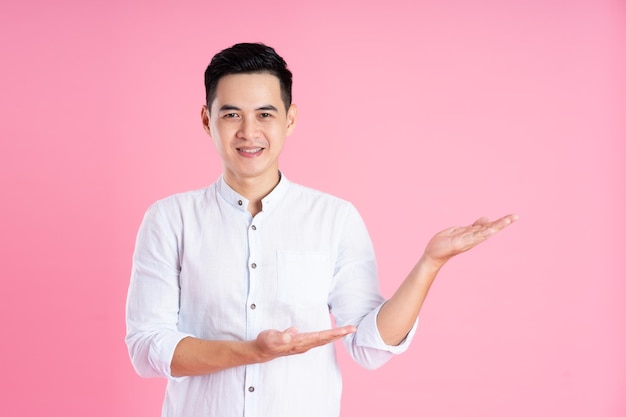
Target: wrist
(255, 353)
(430, 264)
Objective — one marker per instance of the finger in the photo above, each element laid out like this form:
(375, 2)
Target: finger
(306, 341)
(343, 330)
(467, 230)
(511, 217)
(337, 333)
(504, 221)
(483, 220)
(327, 336)
(494, 227)
(288, 335)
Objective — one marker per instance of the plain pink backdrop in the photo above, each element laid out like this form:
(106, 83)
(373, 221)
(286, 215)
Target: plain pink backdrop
(424, 114)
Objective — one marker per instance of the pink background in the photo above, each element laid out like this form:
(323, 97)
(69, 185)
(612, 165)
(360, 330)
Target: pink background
(424, 114)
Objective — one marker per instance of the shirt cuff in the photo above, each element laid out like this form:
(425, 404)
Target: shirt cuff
(162, 353)
(369, 336)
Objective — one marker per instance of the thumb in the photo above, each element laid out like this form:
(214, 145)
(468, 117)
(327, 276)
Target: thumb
(288, 335)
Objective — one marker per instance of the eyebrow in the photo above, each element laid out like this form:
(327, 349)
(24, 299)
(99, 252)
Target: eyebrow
(230, 107)
(268, 107)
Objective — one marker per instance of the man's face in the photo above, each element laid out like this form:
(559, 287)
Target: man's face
(249, 123)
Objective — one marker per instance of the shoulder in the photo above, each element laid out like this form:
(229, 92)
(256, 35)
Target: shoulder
(314, 201)
(324, 211)
(182, 202)
(312, 194)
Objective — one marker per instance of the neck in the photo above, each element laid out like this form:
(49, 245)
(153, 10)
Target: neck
(254, 189)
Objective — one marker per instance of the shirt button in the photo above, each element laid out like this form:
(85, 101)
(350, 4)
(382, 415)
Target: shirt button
(251, 389)
(253, 227)
(252, 306)
(240, 202)
(253, 265)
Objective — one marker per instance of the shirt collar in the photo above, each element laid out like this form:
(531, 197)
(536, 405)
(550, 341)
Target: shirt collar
(240, 202)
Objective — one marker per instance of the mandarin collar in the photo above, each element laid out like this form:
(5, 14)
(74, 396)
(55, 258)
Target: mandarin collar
(240, 202)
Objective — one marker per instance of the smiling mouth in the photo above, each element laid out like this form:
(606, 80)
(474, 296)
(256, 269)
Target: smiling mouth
(250, 151)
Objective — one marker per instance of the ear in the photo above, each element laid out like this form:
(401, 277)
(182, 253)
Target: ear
(292, 117)
(204, 114)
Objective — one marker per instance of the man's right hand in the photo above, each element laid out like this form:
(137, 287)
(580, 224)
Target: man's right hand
(274, 343)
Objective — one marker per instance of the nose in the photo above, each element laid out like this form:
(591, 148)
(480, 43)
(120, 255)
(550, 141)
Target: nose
(248, 129)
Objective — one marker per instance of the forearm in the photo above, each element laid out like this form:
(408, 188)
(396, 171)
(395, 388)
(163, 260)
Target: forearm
(397, 316)
(199, 357)
(194, 356)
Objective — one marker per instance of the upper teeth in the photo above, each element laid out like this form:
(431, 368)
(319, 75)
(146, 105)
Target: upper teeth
(251, 150)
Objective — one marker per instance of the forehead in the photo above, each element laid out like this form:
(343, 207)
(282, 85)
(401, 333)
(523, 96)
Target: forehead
(248, 90)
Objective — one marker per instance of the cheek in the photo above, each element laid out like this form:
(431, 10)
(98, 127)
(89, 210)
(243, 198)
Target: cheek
(220, 133)
(218, 142)
(280, 132)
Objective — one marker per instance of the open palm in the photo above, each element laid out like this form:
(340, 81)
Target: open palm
(454, 240)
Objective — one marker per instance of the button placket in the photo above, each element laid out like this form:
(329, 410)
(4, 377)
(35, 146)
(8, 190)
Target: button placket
(253, 266)
(254, 270)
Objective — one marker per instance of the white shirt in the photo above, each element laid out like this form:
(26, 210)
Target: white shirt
(204, 267)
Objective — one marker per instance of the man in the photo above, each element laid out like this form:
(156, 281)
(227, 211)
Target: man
(232, 285)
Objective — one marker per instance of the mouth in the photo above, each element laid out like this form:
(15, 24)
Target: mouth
(250, 152)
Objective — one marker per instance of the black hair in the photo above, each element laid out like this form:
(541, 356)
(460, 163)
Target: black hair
(247, 58)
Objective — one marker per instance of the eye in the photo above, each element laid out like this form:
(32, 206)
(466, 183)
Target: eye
(265, 115)
(230, 115)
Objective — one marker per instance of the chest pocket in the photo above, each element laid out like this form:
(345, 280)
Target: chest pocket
(304, 277)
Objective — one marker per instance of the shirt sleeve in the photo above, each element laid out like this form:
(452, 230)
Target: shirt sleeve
(153, 296)
(356, 298)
